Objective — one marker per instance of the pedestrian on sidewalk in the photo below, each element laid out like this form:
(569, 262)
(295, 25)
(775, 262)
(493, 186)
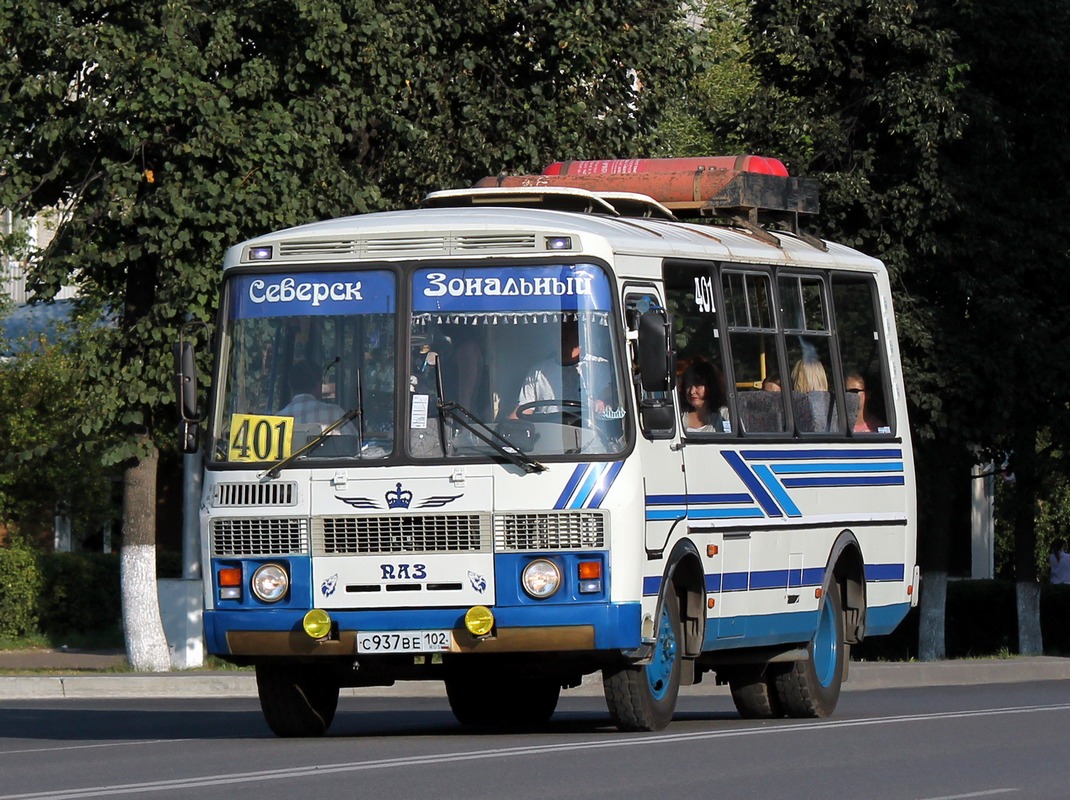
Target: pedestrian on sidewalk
(1059, 560)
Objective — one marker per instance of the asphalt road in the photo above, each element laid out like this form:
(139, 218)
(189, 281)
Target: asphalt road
(921, 743)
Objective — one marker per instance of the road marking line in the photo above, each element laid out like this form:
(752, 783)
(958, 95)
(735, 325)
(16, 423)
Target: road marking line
(622, 740)
(986, 793)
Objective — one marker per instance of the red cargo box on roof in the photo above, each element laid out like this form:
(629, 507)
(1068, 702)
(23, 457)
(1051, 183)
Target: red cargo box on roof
(634, 166)
(714, 185)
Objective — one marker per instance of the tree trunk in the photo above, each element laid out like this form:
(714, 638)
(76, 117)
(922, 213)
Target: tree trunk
(146, 645)
(932, 624)
(935, 469)
(1030, 642)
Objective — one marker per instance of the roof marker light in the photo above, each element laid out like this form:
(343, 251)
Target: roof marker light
(558, 242)
(261, 253)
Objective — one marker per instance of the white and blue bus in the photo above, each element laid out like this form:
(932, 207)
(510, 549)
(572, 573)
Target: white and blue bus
(459, 443)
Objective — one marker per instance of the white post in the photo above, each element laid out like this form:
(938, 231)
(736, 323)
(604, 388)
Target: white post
(982, 539)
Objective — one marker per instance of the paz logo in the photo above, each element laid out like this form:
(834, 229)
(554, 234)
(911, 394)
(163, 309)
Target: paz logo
(398, 498)
(328, 586)
(479, 583)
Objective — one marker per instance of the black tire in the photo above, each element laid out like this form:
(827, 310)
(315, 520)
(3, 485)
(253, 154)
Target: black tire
(477, 698)
(754, 693)
(811, 687)
(297, 701)
(643, 697)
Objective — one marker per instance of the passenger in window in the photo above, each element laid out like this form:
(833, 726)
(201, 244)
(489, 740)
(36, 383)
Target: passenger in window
(771, 383)
(865, 421)
(808, 375)
(702, 399)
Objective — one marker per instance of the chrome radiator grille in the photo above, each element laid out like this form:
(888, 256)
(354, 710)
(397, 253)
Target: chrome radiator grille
(567, 530)
(259, 537)
(431, 533)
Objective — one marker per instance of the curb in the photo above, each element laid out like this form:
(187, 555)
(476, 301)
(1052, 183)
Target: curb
(863, 676)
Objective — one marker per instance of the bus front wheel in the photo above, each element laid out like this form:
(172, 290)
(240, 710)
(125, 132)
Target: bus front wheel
(296, 701)
(643, 697)
(811, 687)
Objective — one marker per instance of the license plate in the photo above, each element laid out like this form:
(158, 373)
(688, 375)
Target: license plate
(404, 641)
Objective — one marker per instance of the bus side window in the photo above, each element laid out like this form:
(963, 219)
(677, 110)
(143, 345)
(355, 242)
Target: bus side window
(690, 294)
(815, 401)
(760, 383)
(657, 415)
(862, 354)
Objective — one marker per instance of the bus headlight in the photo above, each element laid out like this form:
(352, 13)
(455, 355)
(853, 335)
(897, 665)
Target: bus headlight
(270, 583)
(541, 578)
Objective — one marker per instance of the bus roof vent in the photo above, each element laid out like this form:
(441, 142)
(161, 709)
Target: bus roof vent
(522, 195)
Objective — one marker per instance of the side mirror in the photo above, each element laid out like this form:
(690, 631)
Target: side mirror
(186, 395)
(655, 357)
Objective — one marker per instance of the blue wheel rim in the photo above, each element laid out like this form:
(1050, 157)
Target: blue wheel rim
(826, 648)
(659, 670)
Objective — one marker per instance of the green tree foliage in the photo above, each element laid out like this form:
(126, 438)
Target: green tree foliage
(944, 157)
(168, 131)
(44, 468)
(164, 132)
(699, 122)
(1003, 260)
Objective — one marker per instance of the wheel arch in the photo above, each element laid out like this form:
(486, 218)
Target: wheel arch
(683, 572)
(848, 569)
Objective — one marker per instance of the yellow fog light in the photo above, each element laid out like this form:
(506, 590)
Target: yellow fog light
(317, 623)
(479, 620)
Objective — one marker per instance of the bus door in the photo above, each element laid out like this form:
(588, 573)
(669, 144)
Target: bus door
(719, 506)
(664, 491)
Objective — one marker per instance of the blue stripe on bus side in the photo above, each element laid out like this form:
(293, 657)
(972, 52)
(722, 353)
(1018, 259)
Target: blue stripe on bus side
(751, 481)
(851, 480)
(608, 476)
(570, 487)
(800, 455)
(594, 472)
(766, 476)
(797, 469)
(777, 579)
(724, 513)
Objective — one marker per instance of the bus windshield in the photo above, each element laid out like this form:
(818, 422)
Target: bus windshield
(519, 356)
(513, 362)
(299, 353)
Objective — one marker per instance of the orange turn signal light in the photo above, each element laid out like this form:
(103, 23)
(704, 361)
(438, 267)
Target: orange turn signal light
(590, 570)
(230, 576)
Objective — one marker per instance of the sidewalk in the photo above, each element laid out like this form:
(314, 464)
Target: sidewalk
(47, 674)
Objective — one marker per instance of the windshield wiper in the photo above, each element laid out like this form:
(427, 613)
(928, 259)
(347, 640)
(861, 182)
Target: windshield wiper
(353, 413)
(481, 430)
(466, 419)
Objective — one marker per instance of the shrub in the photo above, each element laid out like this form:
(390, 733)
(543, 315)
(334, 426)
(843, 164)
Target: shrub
(981, 619)
(81, 593)
(20, 589)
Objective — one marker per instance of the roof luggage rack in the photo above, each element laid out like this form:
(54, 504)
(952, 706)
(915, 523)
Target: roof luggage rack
(748, 191)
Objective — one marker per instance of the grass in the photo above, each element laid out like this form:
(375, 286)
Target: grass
(75, 640)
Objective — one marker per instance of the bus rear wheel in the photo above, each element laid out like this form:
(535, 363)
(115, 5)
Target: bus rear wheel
(481, 698)
(643, 697)
(296, 701)
(754, 692)
(811, 687)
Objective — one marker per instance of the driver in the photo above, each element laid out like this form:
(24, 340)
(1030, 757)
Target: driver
(306, 406)
(570, 376)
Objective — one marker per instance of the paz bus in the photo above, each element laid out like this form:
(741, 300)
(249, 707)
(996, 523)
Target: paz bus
(390, 495)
